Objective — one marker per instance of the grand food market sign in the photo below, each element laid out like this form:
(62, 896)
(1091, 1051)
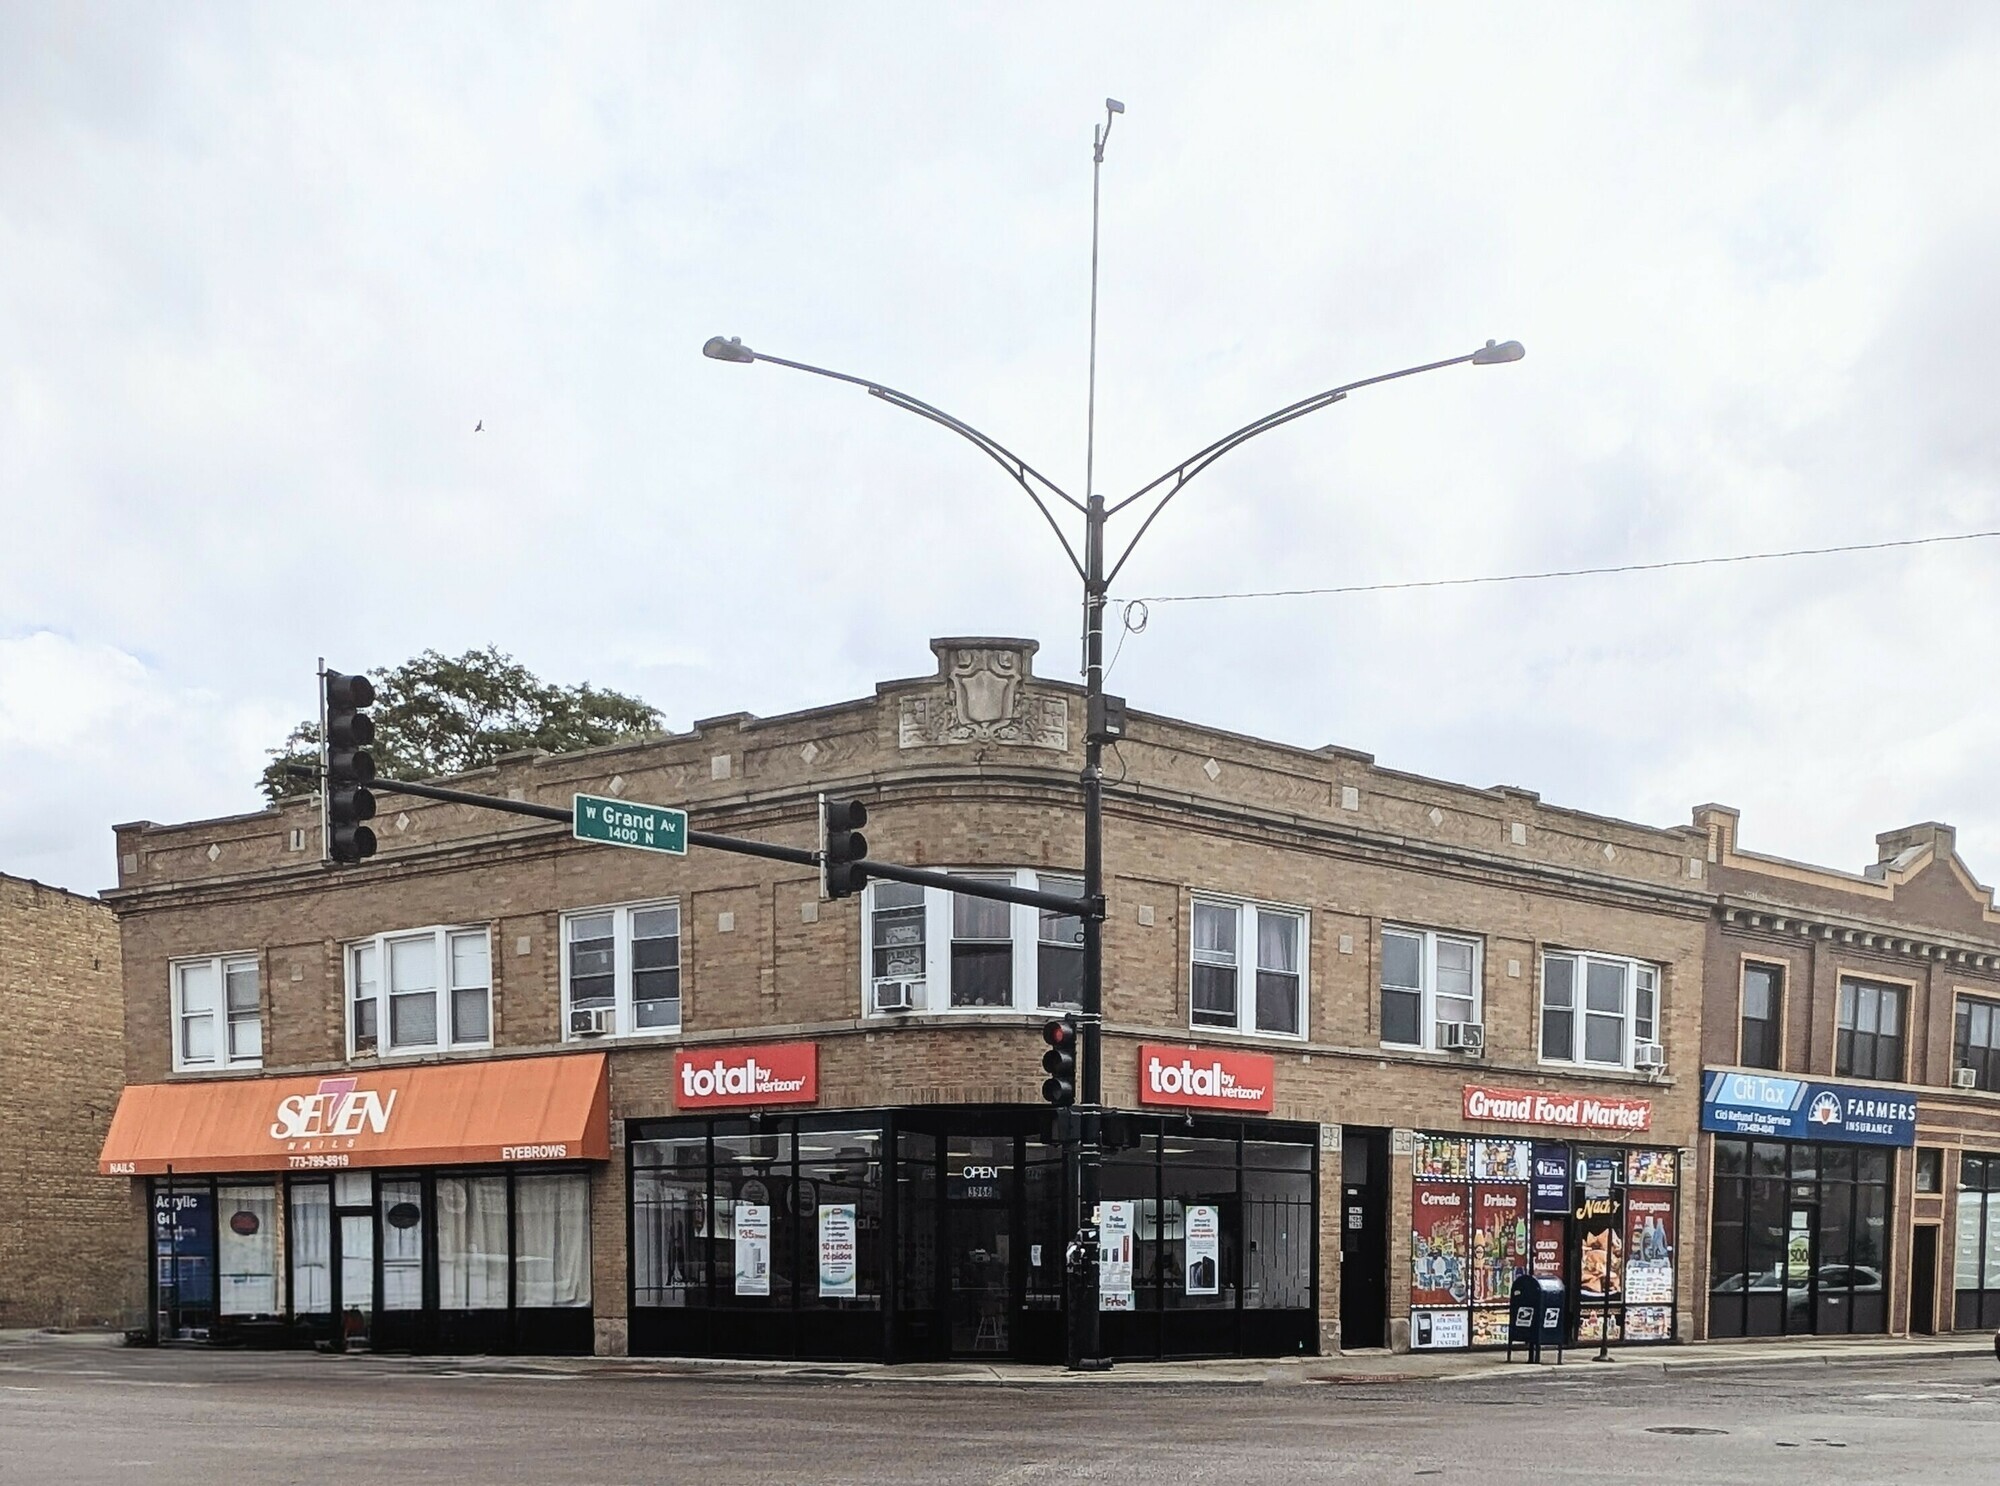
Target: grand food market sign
(1566, 1111)
(1803, 1109)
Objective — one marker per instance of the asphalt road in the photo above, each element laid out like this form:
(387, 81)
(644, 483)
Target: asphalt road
(71, 1414)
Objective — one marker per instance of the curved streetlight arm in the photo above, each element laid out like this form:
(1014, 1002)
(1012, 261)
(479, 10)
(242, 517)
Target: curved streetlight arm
(1201, 459)
(1022, 472)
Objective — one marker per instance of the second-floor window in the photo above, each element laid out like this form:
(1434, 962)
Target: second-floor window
(625, 964)
(931, 950)
(1869, 1043)
(1247, 968)
(1763, 1015)
(1975, 1042)
(427, 990)
(217, 1019)
(1598, 1008)
(1427, 979)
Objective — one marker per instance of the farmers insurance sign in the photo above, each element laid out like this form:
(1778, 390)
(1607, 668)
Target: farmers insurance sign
(1206, 1078)
(1802, 1109)
(1570, 1111)
(771, 1073)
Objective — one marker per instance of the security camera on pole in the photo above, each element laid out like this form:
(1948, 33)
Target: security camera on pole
(1104, 715)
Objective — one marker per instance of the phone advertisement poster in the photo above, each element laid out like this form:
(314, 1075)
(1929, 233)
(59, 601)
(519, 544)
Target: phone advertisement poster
(1204, 1250)
(836, 1251)
(1114, 1251)
(753, 1248)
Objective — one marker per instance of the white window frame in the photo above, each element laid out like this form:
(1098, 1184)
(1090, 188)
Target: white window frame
(1428, 941)
(1638, 1013)
(1247, 911)
(1024, 938)
(621, 914)
(441, 937)
(219, 966)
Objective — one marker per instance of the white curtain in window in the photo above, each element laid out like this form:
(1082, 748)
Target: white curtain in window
(472, 1243)
(311, 1241)
(552, 1240)
(402, 1209)
(247, 1250)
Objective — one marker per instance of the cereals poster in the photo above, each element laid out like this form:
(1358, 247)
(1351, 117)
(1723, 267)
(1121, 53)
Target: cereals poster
(1439, 1247)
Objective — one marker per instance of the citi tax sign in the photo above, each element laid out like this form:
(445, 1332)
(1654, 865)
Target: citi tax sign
(727, 1077)
(1801, 1109)
(1206, 1078)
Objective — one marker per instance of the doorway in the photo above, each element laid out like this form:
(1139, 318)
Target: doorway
(1364, 1237)
(1923, 1280)
(979, 1247)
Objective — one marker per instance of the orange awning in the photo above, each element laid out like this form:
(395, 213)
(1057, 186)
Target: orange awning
(502, 1109)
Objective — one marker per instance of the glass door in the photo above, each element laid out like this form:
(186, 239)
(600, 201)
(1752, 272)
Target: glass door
(354, 1202)
(979, 1212)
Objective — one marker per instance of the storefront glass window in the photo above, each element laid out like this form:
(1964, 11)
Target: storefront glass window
(670, 1222)
(840, 1207)
(1277, 1226)
(551, 1239)
(1199, 1223)
(752, 1242)
(1131, 1179)
(402, 1208)
(310, 1235)
(472, 1243)
(247, 1258)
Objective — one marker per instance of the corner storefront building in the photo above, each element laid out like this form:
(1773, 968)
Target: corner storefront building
(1373, 1043)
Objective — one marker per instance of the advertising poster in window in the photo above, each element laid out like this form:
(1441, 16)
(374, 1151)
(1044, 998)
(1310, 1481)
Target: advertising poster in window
(1552, 1184)
(1546, 1256)
(1651, 1169)
(1649, 1323)
(1204, 1251)
(1499, 1241)
(1441, 1158)
(1114, 1249)
(1601, 1240)
(1438, 1329)
(1649, 1246)
(753, 1248)
(836, 1251)
(1501, 1160)
(1438, 1245)
(1489, 1328)
(183, 1237)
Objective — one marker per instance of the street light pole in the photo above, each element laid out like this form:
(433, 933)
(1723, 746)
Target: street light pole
(1084, 1350)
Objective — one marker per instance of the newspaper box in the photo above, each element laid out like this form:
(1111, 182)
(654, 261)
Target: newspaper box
(1535, 1316)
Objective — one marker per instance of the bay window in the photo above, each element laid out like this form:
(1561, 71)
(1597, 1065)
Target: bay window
(1598, 1009)
(929, 949)
(218, 1020)
(1252, 948)
(625, 964)
(438, 986)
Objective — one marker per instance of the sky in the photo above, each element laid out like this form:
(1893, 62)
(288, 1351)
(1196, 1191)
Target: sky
(264, 268)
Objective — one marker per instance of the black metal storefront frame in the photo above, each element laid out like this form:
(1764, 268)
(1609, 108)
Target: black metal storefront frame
(915, 1322)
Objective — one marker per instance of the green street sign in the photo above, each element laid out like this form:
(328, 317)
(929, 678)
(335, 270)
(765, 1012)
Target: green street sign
(628, 823)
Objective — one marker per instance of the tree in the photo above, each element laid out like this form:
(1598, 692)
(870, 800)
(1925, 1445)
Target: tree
(437, 715)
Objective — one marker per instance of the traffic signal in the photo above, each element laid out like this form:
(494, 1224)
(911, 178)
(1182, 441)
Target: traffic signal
(1059, 1062)
(841, 847)
(349, 767)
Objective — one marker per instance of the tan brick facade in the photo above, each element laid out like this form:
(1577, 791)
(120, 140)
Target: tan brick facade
(69, 1251)
(1190, 812)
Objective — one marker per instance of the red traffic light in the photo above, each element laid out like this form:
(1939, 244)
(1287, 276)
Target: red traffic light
(1059, 1033)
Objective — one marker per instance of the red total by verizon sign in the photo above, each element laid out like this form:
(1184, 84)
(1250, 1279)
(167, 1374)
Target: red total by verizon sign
(1574, 1111)
(1206, 1078)
(770, 1073)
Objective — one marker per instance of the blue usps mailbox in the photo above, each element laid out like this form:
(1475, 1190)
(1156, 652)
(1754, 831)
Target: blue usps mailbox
(1535, 1316)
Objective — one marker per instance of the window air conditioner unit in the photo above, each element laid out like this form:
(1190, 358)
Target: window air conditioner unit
(1965, 1078)
(1649, 1056)
(1462, 1037)
(898, 995)
(592, 1021)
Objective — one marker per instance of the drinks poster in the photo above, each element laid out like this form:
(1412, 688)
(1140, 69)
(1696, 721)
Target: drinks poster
(1601, 1228)
(1499, 1241)
(1501, 1160)
(1438, 1245)
(753, 1248)
(1649, 1247)
(1651, 1169)
(1441, 1158)
(836, 1251)
(1204, 1233)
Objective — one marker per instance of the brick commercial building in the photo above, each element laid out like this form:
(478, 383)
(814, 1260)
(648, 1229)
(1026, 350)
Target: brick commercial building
(67, 1255)
(1851, 1102)
(1377, 1042)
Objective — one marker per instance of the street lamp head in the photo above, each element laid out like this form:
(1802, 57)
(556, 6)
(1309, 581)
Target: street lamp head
(1488, 354)
(1112, 105)
(718, 349)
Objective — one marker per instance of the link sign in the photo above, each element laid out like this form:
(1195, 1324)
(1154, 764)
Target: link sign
(628, 823)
